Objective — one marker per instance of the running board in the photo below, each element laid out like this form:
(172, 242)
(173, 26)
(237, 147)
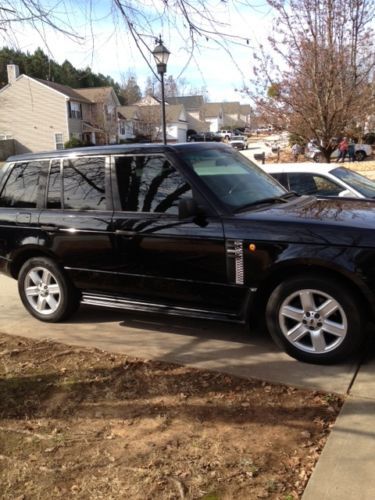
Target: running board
(136, 305)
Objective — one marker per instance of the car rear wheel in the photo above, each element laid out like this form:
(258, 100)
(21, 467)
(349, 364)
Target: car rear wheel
(360, 155)
(314, 320)
(45, 291)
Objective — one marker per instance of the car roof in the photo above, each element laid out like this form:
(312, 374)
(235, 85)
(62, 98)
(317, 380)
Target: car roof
(115, 149)
(306, 167)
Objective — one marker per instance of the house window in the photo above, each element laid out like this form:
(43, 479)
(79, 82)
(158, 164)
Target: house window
(75, 110)
(59, 141)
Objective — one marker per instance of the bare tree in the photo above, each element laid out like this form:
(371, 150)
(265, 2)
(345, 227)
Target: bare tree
(196, 23)
(36, 13)
(318, 84)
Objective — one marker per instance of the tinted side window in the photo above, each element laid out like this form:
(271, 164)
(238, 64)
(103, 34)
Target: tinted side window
(21, 187)
(282, 178)
(313, 184)
(84, 184)
(302, 183)
(149, 184)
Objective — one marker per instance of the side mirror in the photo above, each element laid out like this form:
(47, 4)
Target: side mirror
(187, 207)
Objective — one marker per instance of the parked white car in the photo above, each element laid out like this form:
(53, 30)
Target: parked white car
(225, 134)
(321, 180)
(362, 151)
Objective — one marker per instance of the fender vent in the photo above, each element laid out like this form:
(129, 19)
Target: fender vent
(234, 249)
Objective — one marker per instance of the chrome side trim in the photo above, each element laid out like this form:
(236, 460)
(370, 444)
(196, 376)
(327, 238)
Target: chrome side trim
(135, 305)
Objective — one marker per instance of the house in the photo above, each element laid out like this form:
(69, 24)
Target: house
(102, 113)
(42, 115)
(128, 122)
(213, 116)
(227, 115)
(193, 105)
(145, 120)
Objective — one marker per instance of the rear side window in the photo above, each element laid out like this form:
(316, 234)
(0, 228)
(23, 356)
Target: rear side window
(84, 184)
(22, 186)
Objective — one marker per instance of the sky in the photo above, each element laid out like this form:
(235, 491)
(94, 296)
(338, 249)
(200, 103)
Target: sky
(106, 46)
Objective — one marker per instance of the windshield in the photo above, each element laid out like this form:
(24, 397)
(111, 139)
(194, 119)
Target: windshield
(358, 182)
(232, 178)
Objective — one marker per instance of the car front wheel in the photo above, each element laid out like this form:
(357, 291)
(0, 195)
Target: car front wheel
(314, 320)
(45, 291)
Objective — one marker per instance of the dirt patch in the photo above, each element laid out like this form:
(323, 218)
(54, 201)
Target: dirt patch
(87, 424)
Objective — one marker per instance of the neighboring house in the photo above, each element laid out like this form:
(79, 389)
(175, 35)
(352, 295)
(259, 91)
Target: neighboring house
(145, 120)
(128, 120)
(183, 114)
(42, 115)
(102, 113)
(193, 105)
(227, 115)
(38, 114)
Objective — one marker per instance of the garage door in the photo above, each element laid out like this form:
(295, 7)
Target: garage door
(181, 135)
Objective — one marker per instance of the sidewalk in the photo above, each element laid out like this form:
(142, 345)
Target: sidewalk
(345, 469)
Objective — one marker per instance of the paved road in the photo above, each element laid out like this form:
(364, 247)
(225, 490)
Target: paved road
(204, 344)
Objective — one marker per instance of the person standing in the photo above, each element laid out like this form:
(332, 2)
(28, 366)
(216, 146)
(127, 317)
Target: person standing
(296, 151)
(343, 149)
(351, 150)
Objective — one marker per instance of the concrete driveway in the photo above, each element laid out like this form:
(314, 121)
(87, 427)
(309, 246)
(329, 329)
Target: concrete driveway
(204, 344)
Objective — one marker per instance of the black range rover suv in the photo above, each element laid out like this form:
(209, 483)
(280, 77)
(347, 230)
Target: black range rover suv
(188, 229)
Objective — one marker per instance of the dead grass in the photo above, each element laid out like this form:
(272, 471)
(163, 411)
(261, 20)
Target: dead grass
(80, 423)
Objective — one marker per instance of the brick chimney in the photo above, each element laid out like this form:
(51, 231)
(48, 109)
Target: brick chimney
(13, 73)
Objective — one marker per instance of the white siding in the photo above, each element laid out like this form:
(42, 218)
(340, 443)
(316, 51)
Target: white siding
(33, 113)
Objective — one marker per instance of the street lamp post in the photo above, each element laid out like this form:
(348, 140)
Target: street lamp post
(161, 55)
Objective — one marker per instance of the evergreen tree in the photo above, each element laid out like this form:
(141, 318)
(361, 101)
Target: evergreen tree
(130, 91)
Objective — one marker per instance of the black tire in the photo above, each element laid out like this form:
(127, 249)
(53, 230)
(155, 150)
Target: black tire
(45, 290)
(319, 158)
(295, 307)
(360, 155)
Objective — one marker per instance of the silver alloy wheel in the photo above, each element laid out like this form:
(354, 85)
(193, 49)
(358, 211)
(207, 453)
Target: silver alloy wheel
(313, 321)
(42, 290)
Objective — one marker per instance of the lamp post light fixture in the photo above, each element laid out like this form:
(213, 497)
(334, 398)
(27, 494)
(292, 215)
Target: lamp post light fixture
(161, 55)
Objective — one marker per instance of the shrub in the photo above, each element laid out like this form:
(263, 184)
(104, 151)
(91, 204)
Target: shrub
(73, 143)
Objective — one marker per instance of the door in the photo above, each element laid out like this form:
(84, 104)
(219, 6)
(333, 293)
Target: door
(76, 224)
(158, 256)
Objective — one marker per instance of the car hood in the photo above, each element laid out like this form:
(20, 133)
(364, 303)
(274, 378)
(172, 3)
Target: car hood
(307, 219)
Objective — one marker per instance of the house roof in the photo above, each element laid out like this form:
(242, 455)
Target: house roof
(231, 107)
(128, 112)
(245, 109)
(189, 101)
(196, 124)
(96, 94)
(63, 89)
(212, 109)
(172, 112)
